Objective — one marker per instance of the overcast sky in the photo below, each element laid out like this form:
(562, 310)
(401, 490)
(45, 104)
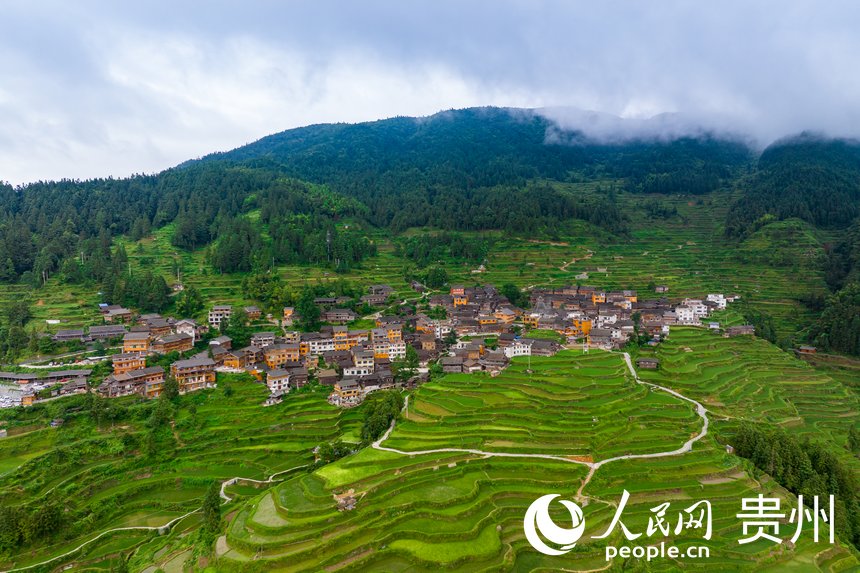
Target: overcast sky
(112, 88)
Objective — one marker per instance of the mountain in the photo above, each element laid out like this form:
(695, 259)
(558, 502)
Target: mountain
(481, 147)
(808, 177)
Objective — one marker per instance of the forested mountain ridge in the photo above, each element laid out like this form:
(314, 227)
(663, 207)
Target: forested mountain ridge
(427, 171)
(807, 177)
(473, 169)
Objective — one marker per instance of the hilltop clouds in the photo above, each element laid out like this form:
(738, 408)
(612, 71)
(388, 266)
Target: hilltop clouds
(99, 88)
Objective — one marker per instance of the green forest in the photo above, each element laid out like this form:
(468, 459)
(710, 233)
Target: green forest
(319, 195)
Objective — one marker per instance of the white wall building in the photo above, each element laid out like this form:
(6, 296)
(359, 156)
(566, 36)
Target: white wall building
(518, 348)
(719, 299)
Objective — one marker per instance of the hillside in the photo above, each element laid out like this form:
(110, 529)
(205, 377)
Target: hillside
(475, 197)
(808, 177)
(361, 189)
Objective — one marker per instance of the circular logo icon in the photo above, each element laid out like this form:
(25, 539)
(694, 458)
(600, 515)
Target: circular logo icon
(537, 519)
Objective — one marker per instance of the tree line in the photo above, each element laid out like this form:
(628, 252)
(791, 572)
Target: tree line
(807, 468)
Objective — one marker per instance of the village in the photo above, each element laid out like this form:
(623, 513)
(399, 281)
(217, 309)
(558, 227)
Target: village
(469, 329)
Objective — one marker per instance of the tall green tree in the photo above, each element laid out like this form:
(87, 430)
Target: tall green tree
(308, 311)
(212, 508)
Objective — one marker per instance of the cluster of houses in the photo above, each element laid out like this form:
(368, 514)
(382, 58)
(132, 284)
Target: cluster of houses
(154, 334)
(469, 329)
(609, 319)
(352, 361)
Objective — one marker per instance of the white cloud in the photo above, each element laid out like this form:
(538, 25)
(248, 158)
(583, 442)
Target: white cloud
(167, 98)
(101, 88)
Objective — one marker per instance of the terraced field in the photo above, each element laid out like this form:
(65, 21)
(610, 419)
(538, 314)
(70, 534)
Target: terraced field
(687, 252)
(746, 378)
(101, 474)
(464, 511)
(571, 404)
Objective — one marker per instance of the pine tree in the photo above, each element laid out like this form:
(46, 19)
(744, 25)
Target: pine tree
(212, 508)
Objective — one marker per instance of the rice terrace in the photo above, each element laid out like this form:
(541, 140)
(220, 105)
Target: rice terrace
(324, 286)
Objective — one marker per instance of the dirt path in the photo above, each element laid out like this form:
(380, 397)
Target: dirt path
(160, 528)
(588, 255)
(592, 466)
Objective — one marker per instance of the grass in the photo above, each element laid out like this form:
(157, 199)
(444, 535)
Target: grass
(770, 270)
(116, 487)
(458, 511)
(572, 404)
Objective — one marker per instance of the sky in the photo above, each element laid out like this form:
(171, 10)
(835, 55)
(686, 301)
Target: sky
(96, 88)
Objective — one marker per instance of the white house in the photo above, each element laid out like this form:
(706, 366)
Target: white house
(719, 299)
(518, 348)
(685, 315)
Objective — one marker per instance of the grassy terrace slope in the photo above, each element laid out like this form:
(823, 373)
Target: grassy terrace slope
(749, 379)
(459, 511)
(686, 251)
(572, 404)
(101, 474)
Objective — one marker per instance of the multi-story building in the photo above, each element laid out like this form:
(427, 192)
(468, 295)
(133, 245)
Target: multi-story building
(135, 342)
(191, 328)
(278, 381)
(339, 315)
(126, 362)
(107, 331)
(219, 314)
(193, 374)
(289, 315)
(173, 343)
(517, 348)
(262, 339)
(253, 312)
(147, 382)
(363, 363)
(277, 355)
(347, 391)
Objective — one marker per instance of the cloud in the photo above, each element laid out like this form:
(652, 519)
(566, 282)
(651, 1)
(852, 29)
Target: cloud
(98, 88)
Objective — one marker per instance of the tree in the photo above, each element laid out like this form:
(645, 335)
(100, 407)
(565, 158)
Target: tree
(162, 414)
(329, 452)
(189, 302)
(97, 407)
(514, 294)
(10, 528)
(212, 508)
(121, 566)
(436, 277)
(450, 338)
(237, 328)
(406, 368)
(170, 390)
(308, 311)
(46, 521)
(379, 412)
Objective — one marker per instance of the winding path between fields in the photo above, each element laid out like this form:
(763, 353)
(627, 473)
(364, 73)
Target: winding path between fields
(592, 466)
(160, 528)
